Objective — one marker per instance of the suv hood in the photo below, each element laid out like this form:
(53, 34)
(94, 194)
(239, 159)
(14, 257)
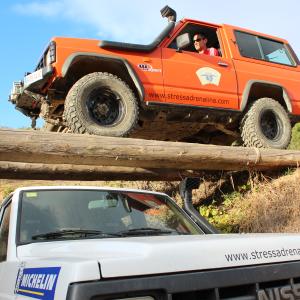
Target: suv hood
(135, 256)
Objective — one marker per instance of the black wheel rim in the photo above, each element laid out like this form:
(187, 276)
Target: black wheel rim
(271, 125)
(105, 106)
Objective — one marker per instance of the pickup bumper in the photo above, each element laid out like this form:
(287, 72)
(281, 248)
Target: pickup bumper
(33, 82)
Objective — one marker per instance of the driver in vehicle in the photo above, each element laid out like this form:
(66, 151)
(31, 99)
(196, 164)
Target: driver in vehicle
(200, 43)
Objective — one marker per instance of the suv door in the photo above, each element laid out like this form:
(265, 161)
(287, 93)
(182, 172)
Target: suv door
(197, 79)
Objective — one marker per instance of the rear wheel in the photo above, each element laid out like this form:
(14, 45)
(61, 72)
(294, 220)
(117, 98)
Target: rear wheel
(101, 104)
(266, 125)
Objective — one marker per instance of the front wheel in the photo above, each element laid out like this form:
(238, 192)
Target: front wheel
(266, 125)
(101, 104)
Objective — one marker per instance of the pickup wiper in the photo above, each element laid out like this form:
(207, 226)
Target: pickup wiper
(72, 232)
(145, 231)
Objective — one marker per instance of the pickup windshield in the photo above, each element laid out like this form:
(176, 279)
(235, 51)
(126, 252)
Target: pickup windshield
(77, 214)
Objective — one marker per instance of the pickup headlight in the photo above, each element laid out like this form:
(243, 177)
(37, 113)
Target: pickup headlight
(50, 56)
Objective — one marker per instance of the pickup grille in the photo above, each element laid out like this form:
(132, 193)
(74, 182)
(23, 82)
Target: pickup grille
(240, 292)
(262, 282)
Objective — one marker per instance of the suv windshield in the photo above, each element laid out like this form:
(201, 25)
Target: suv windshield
(73, 214)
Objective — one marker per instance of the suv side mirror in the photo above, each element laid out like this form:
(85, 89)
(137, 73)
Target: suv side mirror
(183, 41)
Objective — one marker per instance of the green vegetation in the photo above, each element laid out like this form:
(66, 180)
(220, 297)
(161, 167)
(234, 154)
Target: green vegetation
(295, 141)
(219, 216)
(223, 213)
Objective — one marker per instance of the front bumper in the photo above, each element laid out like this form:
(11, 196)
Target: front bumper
(33, 82)
(36, 80)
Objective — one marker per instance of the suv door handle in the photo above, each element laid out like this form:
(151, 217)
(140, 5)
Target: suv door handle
(222, 64)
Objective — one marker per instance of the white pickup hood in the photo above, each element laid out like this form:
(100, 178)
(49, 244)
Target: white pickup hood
(136, 256)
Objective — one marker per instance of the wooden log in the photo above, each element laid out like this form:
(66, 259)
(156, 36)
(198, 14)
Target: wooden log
(36, 171)
(57, 148)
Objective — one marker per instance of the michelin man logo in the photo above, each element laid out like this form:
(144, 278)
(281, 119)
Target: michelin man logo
(209, 76)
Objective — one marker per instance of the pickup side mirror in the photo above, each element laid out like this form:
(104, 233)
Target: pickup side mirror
(183, 41)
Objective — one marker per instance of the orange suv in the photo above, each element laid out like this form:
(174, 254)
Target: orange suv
(166, 90)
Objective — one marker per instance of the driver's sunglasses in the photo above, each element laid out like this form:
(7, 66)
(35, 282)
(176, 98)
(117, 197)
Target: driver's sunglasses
(198, 40)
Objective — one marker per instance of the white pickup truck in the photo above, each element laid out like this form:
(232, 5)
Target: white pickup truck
(90, 243)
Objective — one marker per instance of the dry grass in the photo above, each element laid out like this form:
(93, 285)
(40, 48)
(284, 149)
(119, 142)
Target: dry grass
(271, 206)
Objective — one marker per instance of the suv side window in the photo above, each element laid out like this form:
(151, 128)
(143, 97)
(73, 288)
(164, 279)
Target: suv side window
(275, 52)
(248, 45)
(4, 229)
(192, 29)
(256, 47)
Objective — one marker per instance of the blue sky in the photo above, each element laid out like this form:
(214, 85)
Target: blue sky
(27, 26)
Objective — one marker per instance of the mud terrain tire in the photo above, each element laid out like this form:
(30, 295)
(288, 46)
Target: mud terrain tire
(266, 125)
(101, 104)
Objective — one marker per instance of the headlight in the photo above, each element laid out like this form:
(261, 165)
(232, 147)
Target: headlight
(50, 56)
(138, 298)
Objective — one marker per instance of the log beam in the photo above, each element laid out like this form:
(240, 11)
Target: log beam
(146, 157)
(36, 171)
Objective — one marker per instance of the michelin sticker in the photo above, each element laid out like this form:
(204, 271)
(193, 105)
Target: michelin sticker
(38, 283)
(209, 76)
(148, 68)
